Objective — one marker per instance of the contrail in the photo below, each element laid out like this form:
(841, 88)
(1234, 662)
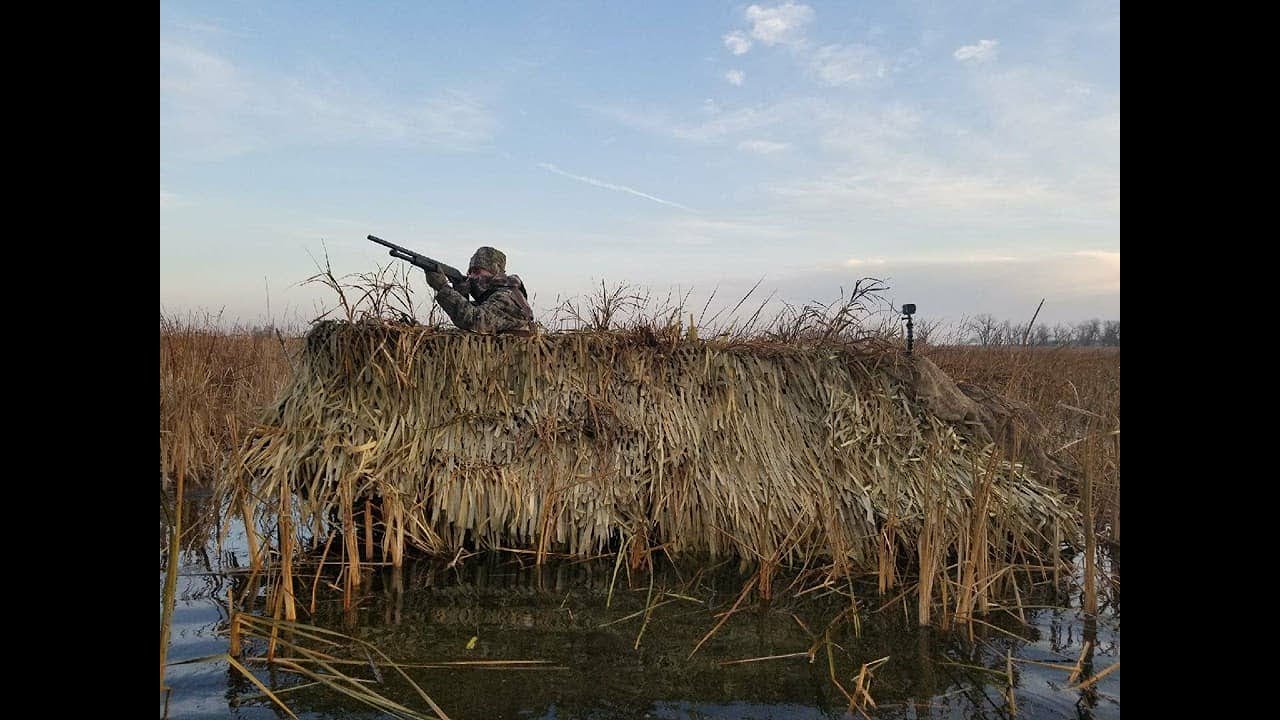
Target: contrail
(611, 186)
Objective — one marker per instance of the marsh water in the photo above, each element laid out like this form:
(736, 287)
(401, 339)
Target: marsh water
(607, 643)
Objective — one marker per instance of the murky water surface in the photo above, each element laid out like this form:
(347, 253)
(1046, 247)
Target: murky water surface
(601, 658)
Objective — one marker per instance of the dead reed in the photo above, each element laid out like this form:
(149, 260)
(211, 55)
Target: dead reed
(1075, 392)
(214, 383)
(318, 655)
(579, 442)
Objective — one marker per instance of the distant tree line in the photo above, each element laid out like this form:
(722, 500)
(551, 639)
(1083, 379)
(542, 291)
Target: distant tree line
(986, 330)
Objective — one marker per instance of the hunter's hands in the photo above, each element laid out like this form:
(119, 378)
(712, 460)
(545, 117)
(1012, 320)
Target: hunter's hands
(463, 287)
(437, 280)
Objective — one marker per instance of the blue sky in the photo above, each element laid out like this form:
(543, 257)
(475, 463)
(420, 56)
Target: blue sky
(968, 154)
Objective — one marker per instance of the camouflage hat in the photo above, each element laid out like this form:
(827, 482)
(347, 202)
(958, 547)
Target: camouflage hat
(490, 259)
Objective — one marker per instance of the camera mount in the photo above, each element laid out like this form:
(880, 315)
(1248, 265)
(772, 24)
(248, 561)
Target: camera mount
(907, 311)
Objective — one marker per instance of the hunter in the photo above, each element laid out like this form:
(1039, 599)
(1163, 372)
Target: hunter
(501, 303)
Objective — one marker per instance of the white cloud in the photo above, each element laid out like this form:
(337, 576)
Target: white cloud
(212, 109)
(1075, 286)
(189, 75)
(733, 229)
(842, 128)
(611, 186)
(872, 135)
(1108, 258)
(715, 129)
(945, 288)
(942, 258)
(1038, 126)
(1080, 90)
(984, 51)
(913, 183)
(737, 42)
(832, 65)
(167, 199)
(735, 77)
(205, 28)
(780, 25)
(847, 64)
(1042, 162)
(763, 147)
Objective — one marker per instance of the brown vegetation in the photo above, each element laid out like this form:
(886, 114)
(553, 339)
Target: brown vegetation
(1074, 391)
(635, 436)
(214, 384)
(813, 447)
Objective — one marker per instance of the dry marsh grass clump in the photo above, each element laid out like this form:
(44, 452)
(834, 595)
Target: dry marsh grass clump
(815, 451)
(1050, 379)
(214, 384)
(1075, 392)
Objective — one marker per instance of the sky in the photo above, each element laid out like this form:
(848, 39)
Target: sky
(967, 154)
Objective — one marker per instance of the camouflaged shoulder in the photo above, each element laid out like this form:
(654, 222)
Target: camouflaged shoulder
(500, 312)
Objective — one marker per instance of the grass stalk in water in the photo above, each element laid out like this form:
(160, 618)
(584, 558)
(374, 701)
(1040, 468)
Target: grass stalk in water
(167, 597)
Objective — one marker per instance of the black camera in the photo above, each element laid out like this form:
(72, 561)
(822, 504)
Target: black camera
(908, 310)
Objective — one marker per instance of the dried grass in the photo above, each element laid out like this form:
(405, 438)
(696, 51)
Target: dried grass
(214, 383)
(571, 442)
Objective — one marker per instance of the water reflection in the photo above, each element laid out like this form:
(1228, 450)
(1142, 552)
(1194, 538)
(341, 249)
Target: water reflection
(607, 657)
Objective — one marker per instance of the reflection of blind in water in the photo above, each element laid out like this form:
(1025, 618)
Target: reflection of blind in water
(566, 596)
(513, 616)
(545, 618)
(556, 577)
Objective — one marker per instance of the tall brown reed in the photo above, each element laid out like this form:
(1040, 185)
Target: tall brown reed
(1076, 393)
(214, 383)
(168, 595)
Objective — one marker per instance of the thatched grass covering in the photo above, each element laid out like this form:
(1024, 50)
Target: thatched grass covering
(568, 442)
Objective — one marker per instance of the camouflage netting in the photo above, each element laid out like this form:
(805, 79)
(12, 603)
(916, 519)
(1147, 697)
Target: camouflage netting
(566, 442)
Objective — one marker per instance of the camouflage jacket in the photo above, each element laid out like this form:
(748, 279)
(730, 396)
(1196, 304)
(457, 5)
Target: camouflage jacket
(500, 307)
